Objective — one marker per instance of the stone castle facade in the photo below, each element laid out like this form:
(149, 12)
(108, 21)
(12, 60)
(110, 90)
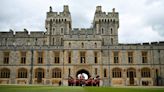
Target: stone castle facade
(51, 56)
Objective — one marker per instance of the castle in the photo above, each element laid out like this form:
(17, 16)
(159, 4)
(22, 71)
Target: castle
(50, 57)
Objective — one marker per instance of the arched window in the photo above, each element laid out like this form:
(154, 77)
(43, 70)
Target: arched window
(39, 73)
(62, 30)
(22, 73)
(111, 31)
(56, 73)
(95, 71)
(131, 72)
(95, 57)
(116, 73)
(53, 31)
(145, 73)
(4, 73)
(111, 40)
(82, 45)
(69, 71)
(69, 45)
(102, 30)
(69, 57)
(36, 41)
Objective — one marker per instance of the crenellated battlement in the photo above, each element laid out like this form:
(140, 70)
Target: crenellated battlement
(105, 16)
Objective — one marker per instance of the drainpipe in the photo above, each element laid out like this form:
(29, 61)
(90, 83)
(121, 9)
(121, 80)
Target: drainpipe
(31, 70)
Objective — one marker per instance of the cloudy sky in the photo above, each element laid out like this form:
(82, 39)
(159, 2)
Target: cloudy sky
(140, 20)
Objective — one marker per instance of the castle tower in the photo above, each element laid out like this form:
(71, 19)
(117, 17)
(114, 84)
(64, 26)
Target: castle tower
(58, 25)
(106, 25)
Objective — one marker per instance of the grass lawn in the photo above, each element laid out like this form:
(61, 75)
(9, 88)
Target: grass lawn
(15, 88)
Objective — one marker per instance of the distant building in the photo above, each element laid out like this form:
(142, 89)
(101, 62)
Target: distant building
(51, 57)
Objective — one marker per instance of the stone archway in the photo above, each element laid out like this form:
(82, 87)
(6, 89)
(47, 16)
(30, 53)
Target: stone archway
(83, 72)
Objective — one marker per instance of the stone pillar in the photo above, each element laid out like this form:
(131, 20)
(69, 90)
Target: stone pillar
(138, 75)
(13, 75)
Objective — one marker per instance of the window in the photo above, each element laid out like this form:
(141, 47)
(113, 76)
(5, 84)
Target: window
(116, 59)
(130, 57)
(57, 57)
(111, 30)
(6, 58)
(22, 73)
(53, 31)
(102, 30)
(23, 57)
(40, 57)
(145, 73)
(61, 41)
(4, 73)
(105, 73)
(69, 57)
(95, 71)
(39, 73)
(56, 73)
(95, 57)
(36, 40)
(62, 29)
(144, 57)
(111, 40)
(116, 73)
(69, 45)
(131, 72)
(82, 45)
(82, 57)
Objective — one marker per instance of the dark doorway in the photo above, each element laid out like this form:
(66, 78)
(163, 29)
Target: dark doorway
(39, 74)
(39, 79)
(131, 78)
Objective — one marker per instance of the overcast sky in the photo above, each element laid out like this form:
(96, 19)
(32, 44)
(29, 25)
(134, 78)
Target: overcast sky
(140, 20)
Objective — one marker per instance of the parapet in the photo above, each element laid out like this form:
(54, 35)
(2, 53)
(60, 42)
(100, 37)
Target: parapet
(65, 12)
(145, 43)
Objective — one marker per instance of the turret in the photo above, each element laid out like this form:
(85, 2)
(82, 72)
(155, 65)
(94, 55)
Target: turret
(66, 9)
(50, 9)
(98, 9)
(57, 25)
(106, 24)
